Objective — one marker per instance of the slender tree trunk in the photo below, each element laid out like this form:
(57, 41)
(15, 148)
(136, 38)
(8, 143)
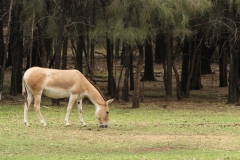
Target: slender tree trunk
(79, 54)
(131, 71)
(206, 55)
(178, 82)
(58, 47)
(168, 58)
(185, 67)
(2, 52)
(86, 52)
(224, 49)
(125, 89)
(15, 47)
(1, 37)
(137, 83)
(195, 83)
(20, 64)
(223, 56)
(5, 48)
(35, 51)
(92, 63)
(148, 70)
(117, 46)
(159, 48)
(49, 43)
(31, 43)
(123, 55)
(111, 81)
(191, 69)
(43, 51)
(64, 54)
(233, 90)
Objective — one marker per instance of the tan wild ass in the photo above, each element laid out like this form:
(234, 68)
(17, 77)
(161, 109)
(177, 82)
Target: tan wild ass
(62, 84)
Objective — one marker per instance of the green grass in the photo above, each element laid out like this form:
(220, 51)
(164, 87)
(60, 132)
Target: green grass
(180, 131)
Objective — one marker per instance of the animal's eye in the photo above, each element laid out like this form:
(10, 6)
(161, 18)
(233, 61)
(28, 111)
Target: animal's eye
(107, 112)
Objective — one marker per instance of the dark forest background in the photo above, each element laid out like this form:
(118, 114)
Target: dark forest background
(140, 32)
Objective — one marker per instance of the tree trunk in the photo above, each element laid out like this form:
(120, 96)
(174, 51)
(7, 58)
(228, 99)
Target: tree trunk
(185, 67)
(111, 81)
(125, 92)
(92, 63)
(123, 55)
(3, 49)
(42, 47)
(223, 57)
(35, 59)
(79, 54)
(159, 48)
(148, 70)
(131, 71)
(195, 83)
(86, 51)
(168, 45)
(20, 64)
(15, 48)
(191, 68)
(117, 46)
(64, 54)
(58, 47)
(224, 49)
(49, 43)
(233, 90)
(1, 37)
(136, 95)
(178, 83)
(206, 55)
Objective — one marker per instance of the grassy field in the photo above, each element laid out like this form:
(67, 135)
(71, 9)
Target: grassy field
(183, 130)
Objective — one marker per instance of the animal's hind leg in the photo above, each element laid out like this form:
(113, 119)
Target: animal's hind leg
(79, 104)
(26, 107)
(37, 100)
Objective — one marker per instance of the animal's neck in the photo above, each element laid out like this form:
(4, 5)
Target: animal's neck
(95, 96)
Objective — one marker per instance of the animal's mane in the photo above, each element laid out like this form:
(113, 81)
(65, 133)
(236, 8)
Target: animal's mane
(97, 89)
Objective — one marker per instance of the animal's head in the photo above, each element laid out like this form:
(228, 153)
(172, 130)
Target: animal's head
(102, 114)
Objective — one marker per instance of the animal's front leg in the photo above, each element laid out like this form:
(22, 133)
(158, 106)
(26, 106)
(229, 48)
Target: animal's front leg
(72, 99)
(79, 104)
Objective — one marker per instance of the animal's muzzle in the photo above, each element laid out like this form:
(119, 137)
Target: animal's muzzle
(103, 126)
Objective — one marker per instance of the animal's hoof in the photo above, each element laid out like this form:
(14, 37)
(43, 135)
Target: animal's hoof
(84, 125)
(26, 123)
(103, 126)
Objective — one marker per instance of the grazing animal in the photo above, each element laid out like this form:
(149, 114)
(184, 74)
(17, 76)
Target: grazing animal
(62, 84)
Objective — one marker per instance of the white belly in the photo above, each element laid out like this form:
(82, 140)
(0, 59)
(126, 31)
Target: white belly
(56, 92)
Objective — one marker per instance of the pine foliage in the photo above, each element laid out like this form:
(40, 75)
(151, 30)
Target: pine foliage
(135, 21)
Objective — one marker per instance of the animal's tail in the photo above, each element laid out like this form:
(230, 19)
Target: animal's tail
(24, 92)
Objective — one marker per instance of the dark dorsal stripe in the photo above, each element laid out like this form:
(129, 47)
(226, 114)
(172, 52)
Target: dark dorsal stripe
(97, 89)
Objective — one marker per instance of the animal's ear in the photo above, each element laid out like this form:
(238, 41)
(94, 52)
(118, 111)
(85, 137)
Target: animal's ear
(109, 101)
